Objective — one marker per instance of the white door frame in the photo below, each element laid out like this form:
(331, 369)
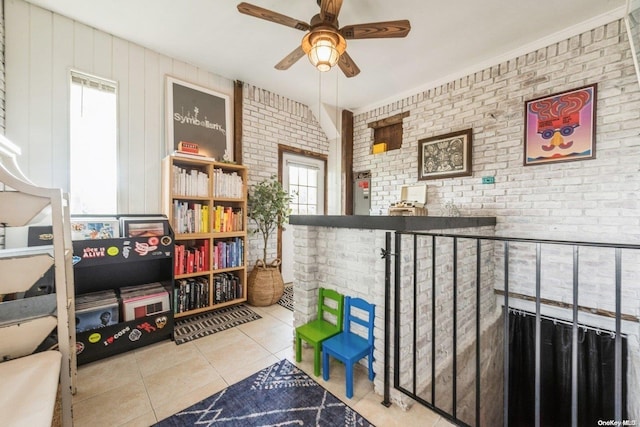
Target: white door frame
(285, 237)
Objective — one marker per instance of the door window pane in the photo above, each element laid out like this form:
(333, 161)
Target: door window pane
(305, 182)
(293, 175)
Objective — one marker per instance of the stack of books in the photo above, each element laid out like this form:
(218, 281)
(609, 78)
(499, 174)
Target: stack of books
(190, 217)
(227, 184)
(227, 218)
(227, 287)
(190, 182)
(191, 294)
(191, 258)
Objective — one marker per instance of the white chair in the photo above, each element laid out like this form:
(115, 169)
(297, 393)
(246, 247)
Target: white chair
(29, 381)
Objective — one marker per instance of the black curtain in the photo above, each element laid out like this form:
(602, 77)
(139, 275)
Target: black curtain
(596, 374)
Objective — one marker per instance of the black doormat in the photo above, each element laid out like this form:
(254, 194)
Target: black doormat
(201, 325)
(287, 298)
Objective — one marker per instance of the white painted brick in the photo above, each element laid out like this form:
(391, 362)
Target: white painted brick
(583, 59)
(269, 120)
(590, 200)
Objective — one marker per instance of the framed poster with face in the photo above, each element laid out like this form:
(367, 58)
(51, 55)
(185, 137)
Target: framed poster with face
(198, 116)
(560, 127)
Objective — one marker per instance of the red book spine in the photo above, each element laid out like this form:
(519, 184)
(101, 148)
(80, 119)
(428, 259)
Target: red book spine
(190, 262)
(176, 260)
(207, 256)
(179, 259)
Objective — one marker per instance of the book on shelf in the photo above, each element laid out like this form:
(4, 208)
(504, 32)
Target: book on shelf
(190, 181)
(228, 254)
(191, 258)
(177, 153)
(227, 287)
(227, 184)
(190, 217)
(227, 218)
(204, 218)
(191, 294)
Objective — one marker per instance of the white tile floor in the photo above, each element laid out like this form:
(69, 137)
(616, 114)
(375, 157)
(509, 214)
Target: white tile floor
(141, 387)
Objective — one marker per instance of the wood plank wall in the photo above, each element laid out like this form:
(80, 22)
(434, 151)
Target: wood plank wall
(41, 49)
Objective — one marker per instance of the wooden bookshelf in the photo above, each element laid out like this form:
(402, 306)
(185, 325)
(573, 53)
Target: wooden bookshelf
(206, 203)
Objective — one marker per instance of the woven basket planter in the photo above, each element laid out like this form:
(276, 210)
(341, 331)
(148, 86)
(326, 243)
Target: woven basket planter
(265, 285)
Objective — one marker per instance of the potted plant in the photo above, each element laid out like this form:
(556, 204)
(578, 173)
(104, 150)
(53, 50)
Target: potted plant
(268, 209)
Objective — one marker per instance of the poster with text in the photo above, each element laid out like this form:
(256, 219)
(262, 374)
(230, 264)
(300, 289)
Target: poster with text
(198, 115)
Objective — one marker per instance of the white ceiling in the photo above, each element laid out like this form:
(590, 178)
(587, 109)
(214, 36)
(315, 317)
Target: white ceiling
(448, 39)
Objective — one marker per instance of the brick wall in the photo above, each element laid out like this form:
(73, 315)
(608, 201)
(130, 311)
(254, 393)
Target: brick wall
(348, 261)
(268, 120)
(590, 200)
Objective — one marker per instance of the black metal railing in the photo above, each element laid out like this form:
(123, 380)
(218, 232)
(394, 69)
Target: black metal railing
(436, 260)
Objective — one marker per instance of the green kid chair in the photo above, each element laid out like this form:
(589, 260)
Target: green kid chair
(322, 328)
(349, 347)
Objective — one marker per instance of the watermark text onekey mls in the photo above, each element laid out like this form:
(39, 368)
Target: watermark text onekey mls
(617, 423)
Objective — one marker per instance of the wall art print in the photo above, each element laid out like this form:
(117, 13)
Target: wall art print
(198, 115)
(561, 127)
(445, 156)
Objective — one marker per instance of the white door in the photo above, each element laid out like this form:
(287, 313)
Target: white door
(303, 177)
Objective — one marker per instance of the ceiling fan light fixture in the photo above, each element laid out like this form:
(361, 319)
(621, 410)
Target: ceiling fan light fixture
(323, 55)
(323, 48)
(325, 44)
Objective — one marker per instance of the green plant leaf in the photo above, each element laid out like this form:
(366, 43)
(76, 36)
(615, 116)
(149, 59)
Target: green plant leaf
(268, 208)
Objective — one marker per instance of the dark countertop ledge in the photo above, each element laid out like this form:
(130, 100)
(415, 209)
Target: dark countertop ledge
(395, 223)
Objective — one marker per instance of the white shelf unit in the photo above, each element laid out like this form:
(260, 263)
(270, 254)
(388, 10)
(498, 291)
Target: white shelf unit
(29, 380)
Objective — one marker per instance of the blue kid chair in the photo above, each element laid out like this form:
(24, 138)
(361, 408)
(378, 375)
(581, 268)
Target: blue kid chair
(349, 347)
(318, 330)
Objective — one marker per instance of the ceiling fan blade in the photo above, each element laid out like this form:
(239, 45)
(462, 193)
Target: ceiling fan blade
(269, 15)
(376, 30)
(348, 67)
(290, 59)
(329, 10)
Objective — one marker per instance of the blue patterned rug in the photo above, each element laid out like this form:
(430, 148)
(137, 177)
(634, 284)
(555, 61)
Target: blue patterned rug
(280, 395)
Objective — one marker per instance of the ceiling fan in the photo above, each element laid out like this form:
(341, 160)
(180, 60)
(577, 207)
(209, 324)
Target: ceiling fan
(325, 43)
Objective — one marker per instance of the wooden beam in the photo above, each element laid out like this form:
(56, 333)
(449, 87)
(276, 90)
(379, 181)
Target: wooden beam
(237, 121)
(393, 120)
(347, 160)
(590, 310)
